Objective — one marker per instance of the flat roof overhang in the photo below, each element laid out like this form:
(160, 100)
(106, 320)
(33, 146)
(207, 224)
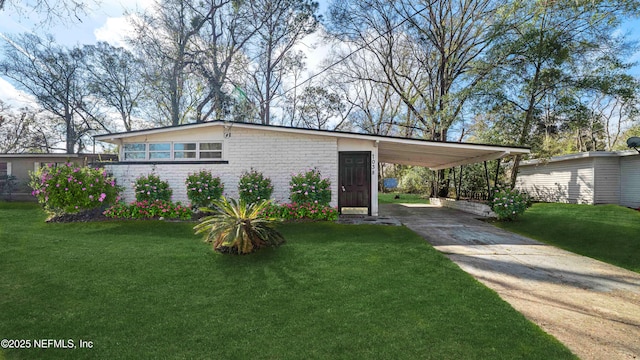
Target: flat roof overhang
(444, 155)
(435, 155)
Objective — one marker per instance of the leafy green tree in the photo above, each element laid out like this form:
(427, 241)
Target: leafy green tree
(542, 45)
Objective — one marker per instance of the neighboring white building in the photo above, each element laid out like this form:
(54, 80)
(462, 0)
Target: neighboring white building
(584, 178)
(227, 149)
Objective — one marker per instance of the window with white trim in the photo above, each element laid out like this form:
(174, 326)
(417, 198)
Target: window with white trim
(211, 150)
(161, 151)
(183, 151)
(135, 151)
(4, 174)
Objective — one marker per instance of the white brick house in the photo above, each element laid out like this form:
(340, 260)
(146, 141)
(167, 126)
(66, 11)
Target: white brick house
(228, 149)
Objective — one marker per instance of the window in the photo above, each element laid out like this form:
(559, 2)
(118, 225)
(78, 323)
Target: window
(211, 150)
(173, 151)
(184, 150)
(135, 151)
(5, 172)
(160, 151)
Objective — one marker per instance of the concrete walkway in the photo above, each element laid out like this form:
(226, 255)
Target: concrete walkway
(590, 306)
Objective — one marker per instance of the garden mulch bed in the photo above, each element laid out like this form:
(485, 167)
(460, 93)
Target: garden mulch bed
(82, 216)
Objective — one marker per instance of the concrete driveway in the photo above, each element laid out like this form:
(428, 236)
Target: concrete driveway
(590, 306)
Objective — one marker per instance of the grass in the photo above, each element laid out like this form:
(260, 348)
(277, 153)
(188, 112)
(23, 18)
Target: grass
(389, 198)
(609, 233)
(151, 289)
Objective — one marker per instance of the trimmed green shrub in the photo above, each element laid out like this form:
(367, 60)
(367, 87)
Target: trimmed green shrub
(254, 187)
(203, 188)
(151, 188)
(310, 188)
(149, 210)
(238, 228)
(508, 204)
(295, 211)
(70, 189)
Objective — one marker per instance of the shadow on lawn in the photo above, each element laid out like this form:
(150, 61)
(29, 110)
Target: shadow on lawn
(590, 279)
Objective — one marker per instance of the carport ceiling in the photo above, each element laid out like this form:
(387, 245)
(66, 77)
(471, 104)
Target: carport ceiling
(439, 155)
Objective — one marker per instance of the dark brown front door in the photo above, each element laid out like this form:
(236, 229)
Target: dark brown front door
(355, 183)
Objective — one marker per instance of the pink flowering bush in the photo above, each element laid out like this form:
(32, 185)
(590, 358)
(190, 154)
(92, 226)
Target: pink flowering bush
(68, 189)
(203, 188)
(149, 210)
(151, 187)
(296, 211)
(310, 188)
(254, 187)
(508, 204)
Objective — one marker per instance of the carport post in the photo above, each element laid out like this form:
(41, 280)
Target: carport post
(486, 174)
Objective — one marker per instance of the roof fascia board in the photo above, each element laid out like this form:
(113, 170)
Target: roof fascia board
(377, 138)
(477, 159)
(582, 155)
(46, 155)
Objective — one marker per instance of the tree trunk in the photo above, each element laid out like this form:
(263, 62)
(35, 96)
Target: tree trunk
(442, 182)
(70, 135)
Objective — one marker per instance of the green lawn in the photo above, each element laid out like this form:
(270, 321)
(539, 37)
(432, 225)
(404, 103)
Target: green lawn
(389, 198)
(153, 290)
(605, 232)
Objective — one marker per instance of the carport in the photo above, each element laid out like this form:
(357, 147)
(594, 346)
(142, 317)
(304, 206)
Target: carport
(435, 155)
(438, 155)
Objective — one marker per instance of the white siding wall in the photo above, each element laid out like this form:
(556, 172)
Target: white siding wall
(606, 180)
(630, 181)
(569, 181)
(276, 154)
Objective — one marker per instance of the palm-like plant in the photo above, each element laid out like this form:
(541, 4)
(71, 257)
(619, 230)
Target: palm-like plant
(238, 227)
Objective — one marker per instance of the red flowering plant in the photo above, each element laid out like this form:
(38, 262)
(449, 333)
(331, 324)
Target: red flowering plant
(149, 210)
(70, 189)
(297, 211)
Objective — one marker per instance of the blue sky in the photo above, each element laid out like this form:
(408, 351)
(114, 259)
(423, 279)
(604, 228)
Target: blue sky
(107, 23)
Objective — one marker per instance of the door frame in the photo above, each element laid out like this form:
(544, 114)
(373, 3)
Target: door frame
(369, 176)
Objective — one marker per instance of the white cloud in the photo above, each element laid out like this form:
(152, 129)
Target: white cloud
(316, 50)
(115, 31)
(14, 97)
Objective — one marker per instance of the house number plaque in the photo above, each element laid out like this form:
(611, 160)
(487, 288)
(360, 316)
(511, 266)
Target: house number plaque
(373, 164)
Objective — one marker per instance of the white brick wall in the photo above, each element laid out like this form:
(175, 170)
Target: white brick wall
(276, 154)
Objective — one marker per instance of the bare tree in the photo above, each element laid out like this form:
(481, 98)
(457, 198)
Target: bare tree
(425, 49)
(163, 36)
(13, 130)
(283, 24)
(52, 10)
(318, 106)
(376, 106)
(54, 76)
(228, 26)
